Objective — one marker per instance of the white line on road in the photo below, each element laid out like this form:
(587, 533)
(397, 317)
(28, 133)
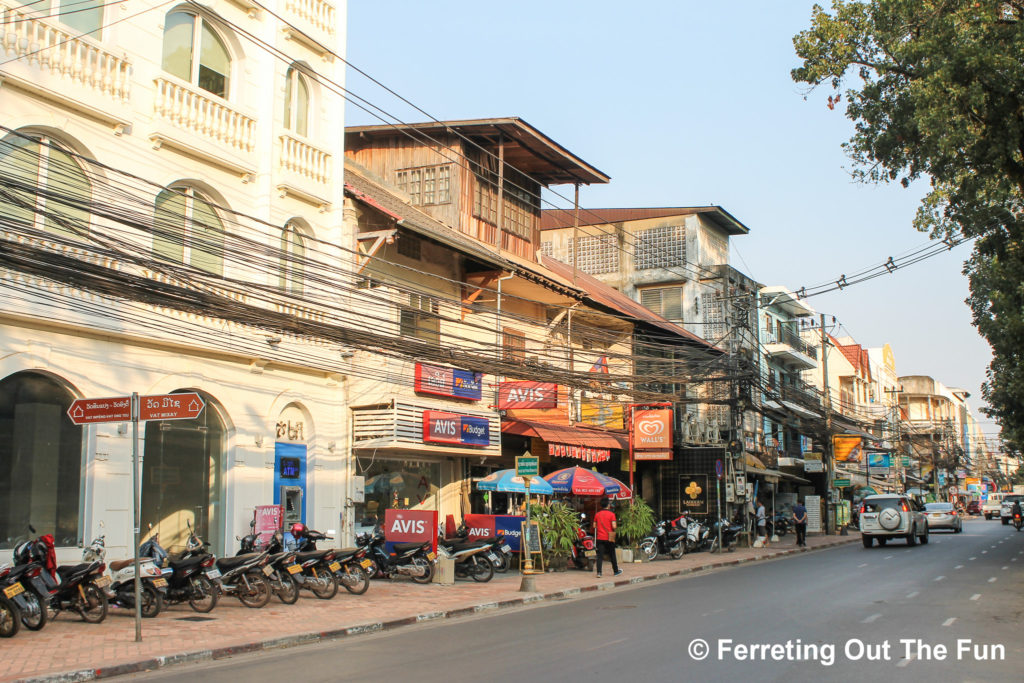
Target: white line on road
(947, 622)
(983, 552)
(975, 596)
(973, 558)
(862, 565)
(959, 566)
(870, 619)
(904, 662)
(888, 557)
(913, 595)
(1004, 567)
(937, 578)
(1013, 559)
(992, 580)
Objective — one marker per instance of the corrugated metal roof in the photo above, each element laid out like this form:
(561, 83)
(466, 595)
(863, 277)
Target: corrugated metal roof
(551, 219)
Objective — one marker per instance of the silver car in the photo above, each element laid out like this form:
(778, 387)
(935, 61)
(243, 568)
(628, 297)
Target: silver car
(892, 515)
(943, 516)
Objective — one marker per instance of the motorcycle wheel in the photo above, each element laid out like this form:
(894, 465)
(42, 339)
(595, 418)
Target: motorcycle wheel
(325, 585)
(354, 579)
(152, 601)
(503, 563)
(677, 551)
(649, 548)
(203, 596)
(10, 618)
(482, 569)
(428, 576)
(288, 593)
(93, 606)
(258, 593)
(36, 616)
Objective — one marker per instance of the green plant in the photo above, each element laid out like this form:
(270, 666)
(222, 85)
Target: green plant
(635, 520)
(558, 523)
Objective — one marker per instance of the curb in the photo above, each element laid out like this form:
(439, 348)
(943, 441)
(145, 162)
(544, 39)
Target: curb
(154, 663)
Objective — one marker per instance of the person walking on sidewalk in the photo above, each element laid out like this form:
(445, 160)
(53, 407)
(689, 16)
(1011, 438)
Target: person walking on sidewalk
(762, 525)
(604, 533)
(800, 521)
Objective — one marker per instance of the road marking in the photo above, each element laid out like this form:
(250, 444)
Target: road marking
(975, 596)
(1006, 566)
(904, 662)
(1013, 559)
(992, 580)
(870, 619)
(888, 557)
(947, 622)
(983, 552)
(959, 566)
(939, 578)
(913, 595)
(862, 565)
(973, 558)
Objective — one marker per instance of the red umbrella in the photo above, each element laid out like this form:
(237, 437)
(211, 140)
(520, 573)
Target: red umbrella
(624, 492)
(582, 482)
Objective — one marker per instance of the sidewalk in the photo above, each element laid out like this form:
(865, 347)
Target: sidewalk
(71, 650)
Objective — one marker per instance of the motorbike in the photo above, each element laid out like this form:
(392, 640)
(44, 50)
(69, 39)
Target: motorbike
(353, 567)
(35, 568)
(121, 591)
(191, 577)
(697, 535)
(1018, 522)
(318, 566)
(472, 558)
(11, 603)
(667, 538)
(81, 587)
(415, 560)
(778, 526)
(584, 549)
(245, 577)
(730, 530)
(283, 562)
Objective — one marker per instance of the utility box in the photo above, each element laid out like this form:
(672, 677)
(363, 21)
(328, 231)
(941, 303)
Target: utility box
(444, 569)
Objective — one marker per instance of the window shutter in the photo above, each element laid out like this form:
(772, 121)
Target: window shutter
(672, 303)
(651, 298)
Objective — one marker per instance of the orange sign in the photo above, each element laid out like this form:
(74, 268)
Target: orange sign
(652, 429)
(845, 447)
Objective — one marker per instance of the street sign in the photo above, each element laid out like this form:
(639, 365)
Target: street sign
(719, 469)
(841, 483)
(84, 411)
(527, 466)
(170, 406)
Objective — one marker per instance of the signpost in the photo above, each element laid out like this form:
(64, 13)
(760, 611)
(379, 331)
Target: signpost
(527, 467)
(719, 473)
(86, 411)
(840, 483)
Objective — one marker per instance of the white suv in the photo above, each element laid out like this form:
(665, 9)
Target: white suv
(1006, 507)
(892, 515)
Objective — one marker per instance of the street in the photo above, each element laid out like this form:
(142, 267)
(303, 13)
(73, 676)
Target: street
(837, 607)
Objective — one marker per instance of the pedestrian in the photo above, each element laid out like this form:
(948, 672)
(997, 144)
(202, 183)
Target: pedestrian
(762, 524)
(800, 521)
(605, 525)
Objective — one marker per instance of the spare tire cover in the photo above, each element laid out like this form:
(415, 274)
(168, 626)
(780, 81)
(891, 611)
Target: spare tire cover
(890, 519)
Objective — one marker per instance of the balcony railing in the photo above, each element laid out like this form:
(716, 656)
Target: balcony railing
(63, 53)
(202, 114)
(305, 160)
(790, 338)
(318, 13)
(804, 395)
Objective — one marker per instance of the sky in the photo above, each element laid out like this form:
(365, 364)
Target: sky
(688, 103)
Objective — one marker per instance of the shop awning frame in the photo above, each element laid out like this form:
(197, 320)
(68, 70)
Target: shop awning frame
(574, 436)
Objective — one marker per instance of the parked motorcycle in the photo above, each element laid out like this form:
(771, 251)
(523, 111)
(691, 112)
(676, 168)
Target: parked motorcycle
(245, 577)
(667, 538)
(120, 586)
(778, 526)
(35, 568)
(318, 566)
(191, 577)
(11, 601)
(730, 530)
(472, 558)
(584, 549)
(415, 560)
(698, 535)
(283, 562)
(81, 587)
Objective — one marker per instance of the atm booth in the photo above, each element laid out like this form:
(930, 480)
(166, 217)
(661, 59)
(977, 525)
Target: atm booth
(290, 481)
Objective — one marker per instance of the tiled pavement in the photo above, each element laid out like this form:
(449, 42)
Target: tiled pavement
(71, 650)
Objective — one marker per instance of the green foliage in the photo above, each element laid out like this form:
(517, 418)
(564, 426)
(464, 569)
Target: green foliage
(558, 523)
(635, 520)
(939, 94)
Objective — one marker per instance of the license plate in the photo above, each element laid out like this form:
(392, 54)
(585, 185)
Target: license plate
(102, 582)
(294, 568)
(506, 548)
(590, 553)
(213, 573)
(14, 589)
(334, 566)
(431, 557)
(268, 570)
(492, 557)
(365, 564)
(160, 583)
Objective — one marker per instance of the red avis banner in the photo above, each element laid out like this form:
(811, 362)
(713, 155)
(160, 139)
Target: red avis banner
(406, 526)
(518, 395)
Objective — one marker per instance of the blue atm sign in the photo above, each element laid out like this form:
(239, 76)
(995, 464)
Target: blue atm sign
(456, 429)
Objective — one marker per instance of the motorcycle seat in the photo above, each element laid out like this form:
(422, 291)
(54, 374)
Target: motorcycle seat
(228, 563)
(186, 562)
(463, 545)
(344, 554)
(118, 565)
(68, 570)
(310, 555)
(405, 547)
(277, 557)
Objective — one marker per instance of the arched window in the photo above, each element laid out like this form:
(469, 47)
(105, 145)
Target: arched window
(195, 53)
(293, 256)
(51, 190)
(296, 102)
(188, 230)
(40, 460)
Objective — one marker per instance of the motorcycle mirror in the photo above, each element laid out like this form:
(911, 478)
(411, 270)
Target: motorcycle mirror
(252, 524)
(31, 528)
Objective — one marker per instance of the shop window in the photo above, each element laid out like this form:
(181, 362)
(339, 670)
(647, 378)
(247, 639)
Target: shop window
(40, 461)
(398, 485)
(194, 52)
(49, 189)
(188, 230)
(420, 319)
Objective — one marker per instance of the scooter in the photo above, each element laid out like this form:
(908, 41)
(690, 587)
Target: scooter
(1018, 522)
(472, 558)
(584, 550)
(415, 560)
(81, 587)
(666, 539)
(778, 526)
(191, 577)
(121, 591)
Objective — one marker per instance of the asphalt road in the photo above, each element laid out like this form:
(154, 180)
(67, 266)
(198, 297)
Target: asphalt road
(844, 614)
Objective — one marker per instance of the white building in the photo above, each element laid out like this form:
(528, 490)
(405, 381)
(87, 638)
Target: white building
(165, 179)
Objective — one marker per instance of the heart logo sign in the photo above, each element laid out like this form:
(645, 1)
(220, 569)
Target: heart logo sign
(650, 427)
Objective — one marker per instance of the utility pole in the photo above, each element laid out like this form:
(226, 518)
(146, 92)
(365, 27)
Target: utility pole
(827, 446)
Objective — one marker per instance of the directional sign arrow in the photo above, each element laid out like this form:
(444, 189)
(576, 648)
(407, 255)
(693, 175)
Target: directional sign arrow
(185, 406)
(85, 411)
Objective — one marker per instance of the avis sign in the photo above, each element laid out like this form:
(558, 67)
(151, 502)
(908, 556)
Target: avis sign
(407, 526)
(518, 395)
(453, 428)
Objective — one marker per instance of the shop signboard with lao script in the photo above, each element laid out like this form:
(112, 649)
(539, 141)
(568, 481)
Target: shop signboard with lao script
(448, 382)
(453, 428)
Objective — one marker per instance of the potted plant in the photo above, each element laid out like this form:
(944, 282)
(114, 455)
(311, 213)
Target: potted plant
(558, 523)
(635, 520)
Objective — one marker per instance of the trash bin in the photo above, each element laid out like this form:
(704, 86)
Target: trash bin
(444, 570)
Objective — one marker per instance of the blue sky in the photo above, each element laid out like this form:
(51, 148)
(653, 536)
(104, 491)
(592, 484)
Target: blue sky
(687, 103)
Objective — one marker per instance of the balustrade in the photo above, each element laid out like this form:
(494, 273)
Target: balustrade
(319, 14)
(203, 114)
(305, 160)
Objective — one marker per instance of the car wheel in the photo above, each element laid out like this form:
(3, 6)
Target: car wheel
(912, 536)
(866, 540)
(924, 538)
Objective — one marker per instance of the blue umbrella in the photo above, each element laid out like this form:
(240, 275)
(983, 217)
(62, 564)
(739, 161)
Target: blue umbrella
(506, 481)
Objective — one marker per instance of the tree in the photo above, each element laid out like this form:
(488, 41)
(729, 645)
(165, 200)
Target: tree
(939, 93)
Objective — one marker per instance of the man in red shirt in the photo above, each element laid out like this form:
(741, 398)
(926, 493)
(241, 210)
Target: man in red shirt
(604, 525)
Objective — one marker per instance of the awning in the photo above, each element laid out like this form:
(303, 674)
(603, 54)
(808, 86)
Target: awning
(800, 410)
(574, 436)
(754, 461)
